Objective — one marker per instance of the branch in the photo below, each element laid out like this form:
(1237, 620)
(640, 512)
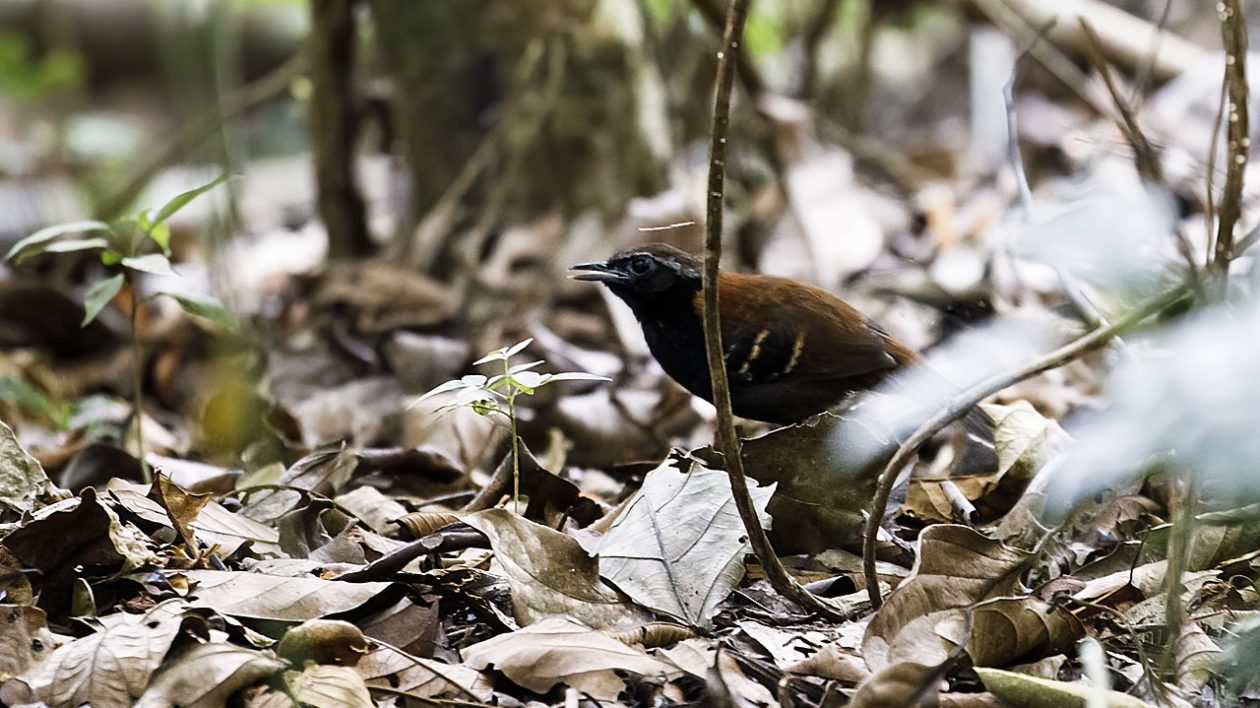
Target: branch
(727, 439)
(1144, 154)
(1234, 32)
(749, 76)
(959, 405)
(333, 127)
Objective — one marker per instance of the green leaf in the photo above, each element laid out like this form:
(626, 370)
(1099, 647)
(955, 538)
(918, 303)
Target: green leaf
(75, 244)
(504, 353)
(516, 348)
(207, 307)
(161, 235)
(111, 257)
(155, 263)
(98, 296)
(181, 200)
(527, 381)
(34, 244)
(523, 367)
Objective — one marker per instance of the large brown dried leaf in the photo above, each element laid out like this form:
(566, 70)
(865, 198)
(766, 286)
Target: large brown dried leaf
(901, 685)
(550, 574)
(73, 533)
(182, 508)
(424, 677)
(678, 545)
(276, 597)
(324, 686)
(957, 567)
(1007, 629)
(1197, 654)
(220, 529)
(559, 650)
(1024, 440)
(110, 667)
(206, 675)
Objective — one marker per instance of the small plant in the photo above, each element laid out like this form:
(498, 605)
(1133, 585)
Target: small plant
(496, 395)
(122, 244)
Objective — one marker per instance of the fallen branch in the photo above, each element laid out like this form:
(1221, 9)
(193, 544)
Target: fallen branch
(959, 405)
(727, 439)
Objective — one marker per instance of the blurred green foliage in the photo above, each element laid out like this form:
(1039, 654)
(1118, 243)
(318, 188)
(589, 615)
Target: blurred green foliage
(28, 78)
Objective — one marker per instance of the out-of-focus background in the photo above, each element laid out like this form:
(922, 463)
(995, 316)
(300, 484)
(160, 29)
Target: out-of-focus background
(245, 236)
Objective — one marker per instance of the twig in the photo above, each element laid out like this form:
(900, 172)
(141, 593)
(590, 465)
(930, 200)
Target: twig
(1144, 153)
(1234, 33)
(1209, 209)
(333, 127)
(1145, 70)
(959, 405)
(749, 76)
(1178, 560)
(455, 537)
(137, 377)
(727, 439)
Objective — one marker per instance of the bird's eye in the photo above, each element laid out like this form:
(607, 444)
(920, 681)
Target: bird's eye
(640, 265)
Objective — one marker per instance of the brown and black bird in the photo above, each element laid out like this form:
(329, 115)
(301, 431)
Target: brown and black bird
(791, 350)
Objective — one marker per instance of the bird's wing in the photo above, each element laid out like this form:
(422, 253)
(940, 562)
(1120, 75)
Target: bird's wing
(790, 328)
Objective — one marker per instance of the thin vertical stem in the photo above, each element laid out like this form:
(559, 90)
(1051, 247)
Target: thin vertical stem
(1234, 33)
(727, 439)
(137, 378)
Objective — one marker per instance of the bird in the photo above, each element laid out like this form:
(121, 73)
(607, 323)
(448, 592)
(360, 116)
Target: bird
(791, 350)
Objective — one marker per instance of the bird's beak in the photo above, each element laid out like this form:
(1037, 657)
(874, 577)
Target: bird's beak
(596, 272)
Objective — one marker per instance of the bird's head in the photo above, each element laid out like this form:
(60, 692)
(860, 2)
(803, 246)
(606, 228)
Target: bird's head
(648, 278)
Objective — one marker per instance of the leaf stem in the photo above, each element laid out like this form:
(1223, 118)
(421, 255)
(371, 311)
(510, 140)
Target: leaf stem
(137, 378)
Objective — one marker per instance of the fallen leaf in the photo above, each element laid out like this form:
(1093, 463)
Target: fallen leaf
(276, 597)
(550, 574)
(1008, 629)
(109, 667)
(901, 685)
(182, 508)
(206, 675)
(678, 545)
(825, 475)
(372, 507)
(957, 567)
(26, 487)
(1024, 440)
(1032, 692)
(422, 677)
(323, 641)
(559, 650)
(324, 686)
(73, 533)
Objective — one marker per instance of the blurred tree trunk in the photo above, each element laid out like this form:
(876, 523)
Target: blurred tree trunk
(333, 127)
(525, 106)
